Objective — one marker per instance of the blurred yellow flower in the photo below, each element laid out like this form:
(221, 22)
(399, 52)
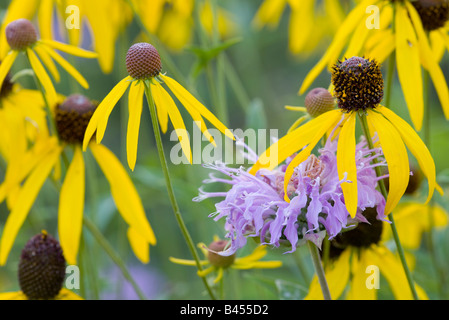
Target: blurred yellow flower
(72, 116)
(105, 20)
(41, 271)
(357, 255)
(218, 263)
(22, 119)
(404, 30)
(308, 25)
(144, 66)
(22, 37)
(172, 21)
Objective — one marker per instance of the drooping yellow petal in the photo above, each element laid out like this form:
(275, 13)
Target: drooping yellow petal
(337, 276)
(48, 62)
(412, 219)
(257, 265)
(71, 207)
(187, 99)
(164, 100)
(396, 156)
(301, 25)
(42, 76)
(6, 64)
(346, 164)
(257, 254)
(430, 63)
(409, 65)
(391, 268)
(135, 105)
(123, 191)
(297, 123)
(186, 262)
(383, 49)
(294, 141)
(360, 279)
(296, 161)
(67, 48)
(140, 246)
(416, 147)
(100, 117)
(45, 17)
(25, 200)
(67, 66)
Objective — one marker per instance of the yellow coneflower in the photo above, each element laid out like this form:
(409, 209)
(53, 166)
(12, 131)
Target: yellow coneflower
(22, 37)
(105, 20)
(72, 116)
(405, 28)
(144, 68)
(307, 24)
(218, 263)
(41, 271)
(358, 88)
(22, 118)
(367, 245)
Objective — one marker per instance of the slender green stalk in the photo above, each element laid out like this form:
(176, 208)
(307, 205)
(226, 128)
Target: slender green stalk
(216, 84)
(236, 84)
(171, 193)
(88, 269)
(390, 79)
(383, 190)
(112, 254)
(319, 270)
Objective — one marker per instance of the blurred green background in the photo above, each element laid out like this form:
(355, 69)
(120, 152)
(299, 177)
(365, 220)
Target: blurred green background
(269, 79)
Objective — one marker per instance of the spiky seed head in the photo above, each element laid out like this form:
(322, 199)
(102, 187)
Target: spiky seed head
(73, 116)
(358, 84)
(218, 260)
(20, 34)
(41, 267)
(143, 61)
(319, 101)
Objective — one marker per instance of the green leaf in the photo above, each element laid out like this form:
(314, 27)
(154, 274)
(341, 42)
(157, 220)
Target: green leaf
(205, 55)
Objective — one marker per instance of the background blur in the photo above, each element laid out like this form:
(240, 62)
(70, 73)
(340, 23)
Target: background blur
(269, 78)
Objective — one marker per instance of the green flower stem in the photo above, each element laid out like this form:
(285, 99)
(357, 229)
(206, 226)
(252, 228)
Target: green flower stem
(383, 190)
(171, 193)
(390, 79)
(319, 270)
(112, 254)
(236, 83)
(216, 84)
